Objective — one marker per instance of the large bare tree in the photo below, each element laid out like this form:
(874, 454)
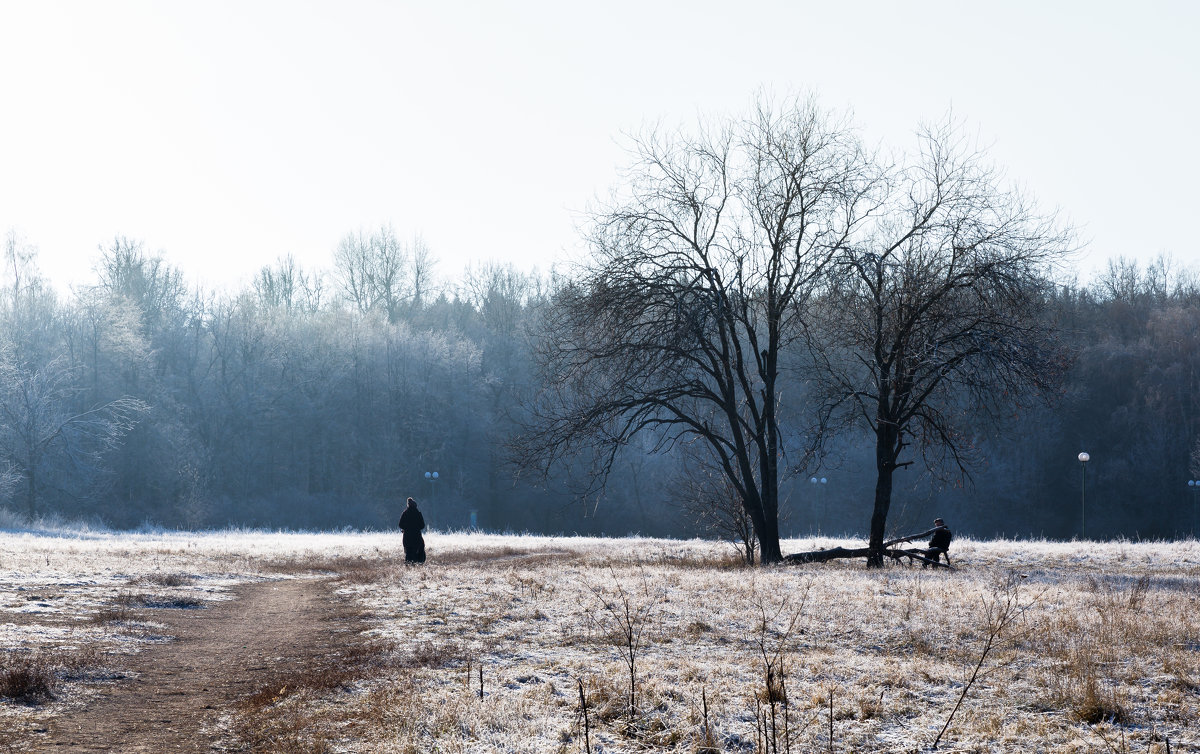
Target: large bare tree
(934, 320)
(703, 267)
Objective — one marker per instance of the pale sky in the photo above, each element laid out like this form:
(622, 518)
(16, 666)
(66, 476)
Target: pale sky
(228, 134)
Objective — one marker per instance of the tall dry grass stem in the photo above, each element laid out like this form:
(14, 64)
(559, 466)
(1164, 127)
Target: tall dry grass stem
(1000, 610)
(627, 618)
(775, 637)
(708, 740)
(587, 728)
(830, 720)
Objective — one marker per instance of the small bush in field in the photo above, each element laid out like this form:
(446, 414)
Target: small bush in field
(28, 679)
(168, 579)
(128, 600)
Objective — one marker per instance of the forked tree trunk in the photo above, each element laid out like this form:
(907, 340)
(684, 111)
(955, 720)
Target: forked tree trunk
(766, 530)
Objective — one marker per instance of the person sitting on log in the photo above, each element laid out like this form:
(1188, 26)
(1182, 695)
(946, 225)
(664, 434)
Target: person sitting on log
(939, 543)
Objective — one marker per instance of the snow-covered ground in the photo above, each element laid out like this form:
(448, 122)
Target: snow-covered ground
(1103, 641)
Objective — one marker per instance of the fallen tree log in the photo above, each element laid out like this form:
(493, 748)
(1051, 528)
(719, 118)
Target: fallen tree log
(836, 553)
(911, 537)
(918, 555)
(822, 556)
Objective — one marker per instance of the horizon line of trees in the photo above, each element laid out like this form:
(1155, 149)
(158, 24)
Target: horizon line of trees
(319, 400)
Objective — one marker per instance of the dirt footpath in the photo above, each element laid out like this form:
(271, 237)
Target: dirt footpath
(220, 654)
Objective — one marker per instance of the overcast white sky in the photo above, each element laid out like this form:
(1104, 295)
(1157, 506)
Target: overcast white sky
(228, 134)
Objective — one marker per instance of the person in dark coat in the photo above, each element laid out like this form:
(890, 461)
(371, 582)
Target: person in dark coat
(939, 543)
(411, 523)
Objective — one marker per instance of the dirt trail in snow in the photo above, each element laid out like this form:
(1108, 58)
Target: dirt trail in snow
(220, 654)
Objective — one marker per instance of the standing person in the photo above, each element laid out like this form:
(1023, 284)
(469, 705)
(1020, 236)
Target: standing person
(411, 523)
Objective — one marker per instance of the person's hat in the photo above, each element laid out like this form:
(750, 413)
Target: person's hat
(938, 521)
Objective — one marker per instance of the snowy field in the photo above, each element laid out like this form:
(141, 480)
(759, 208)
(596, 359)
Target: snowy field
(1028, 646)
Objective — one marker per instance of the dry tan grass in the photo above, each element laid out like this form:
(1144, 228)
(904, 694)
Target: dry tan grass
(165, 579)
(38, 676)
(290, 712)
(1105, 655)
(28, 678)
(1105, 644)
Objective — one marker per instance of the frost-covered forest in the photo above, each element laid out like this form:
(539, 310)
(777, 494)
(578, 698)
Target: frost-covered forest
(319, 398)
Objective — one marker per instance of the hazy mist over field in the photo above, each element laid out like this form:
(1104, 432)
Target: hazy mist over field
(271, 265)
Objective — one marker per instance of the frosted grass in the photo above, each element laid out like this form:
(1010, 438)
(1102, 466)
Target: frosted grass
(892, 647)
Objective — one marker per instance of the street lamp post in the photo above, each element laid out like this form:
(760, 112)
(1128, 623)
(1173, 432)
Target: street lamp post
(1194, 486)
(1083, 460)
(818, 499)
(432, 476)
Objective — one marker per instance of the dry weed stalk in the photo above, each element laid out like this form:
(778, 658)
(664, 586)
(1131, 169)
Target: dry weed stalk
(708, 738)
(627, 616)
(830, 720)
(1001, 609)
(587, 729)
(774, 644)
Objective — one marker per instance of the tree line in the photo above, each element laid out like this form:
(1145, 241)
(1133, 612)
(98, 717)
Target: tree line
(681, 362)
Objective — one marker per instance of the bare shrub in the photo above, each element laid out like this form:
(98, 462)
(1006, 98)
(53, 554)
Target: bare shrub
(134, 600)
(777, 627)
(172, 579)
(115, 613)
(28, 678)
(625, 617)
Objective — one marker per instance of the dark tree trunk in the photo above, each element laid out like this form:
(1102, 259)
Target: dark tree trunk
(768, 541)
(885, 464)
(766, 529)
